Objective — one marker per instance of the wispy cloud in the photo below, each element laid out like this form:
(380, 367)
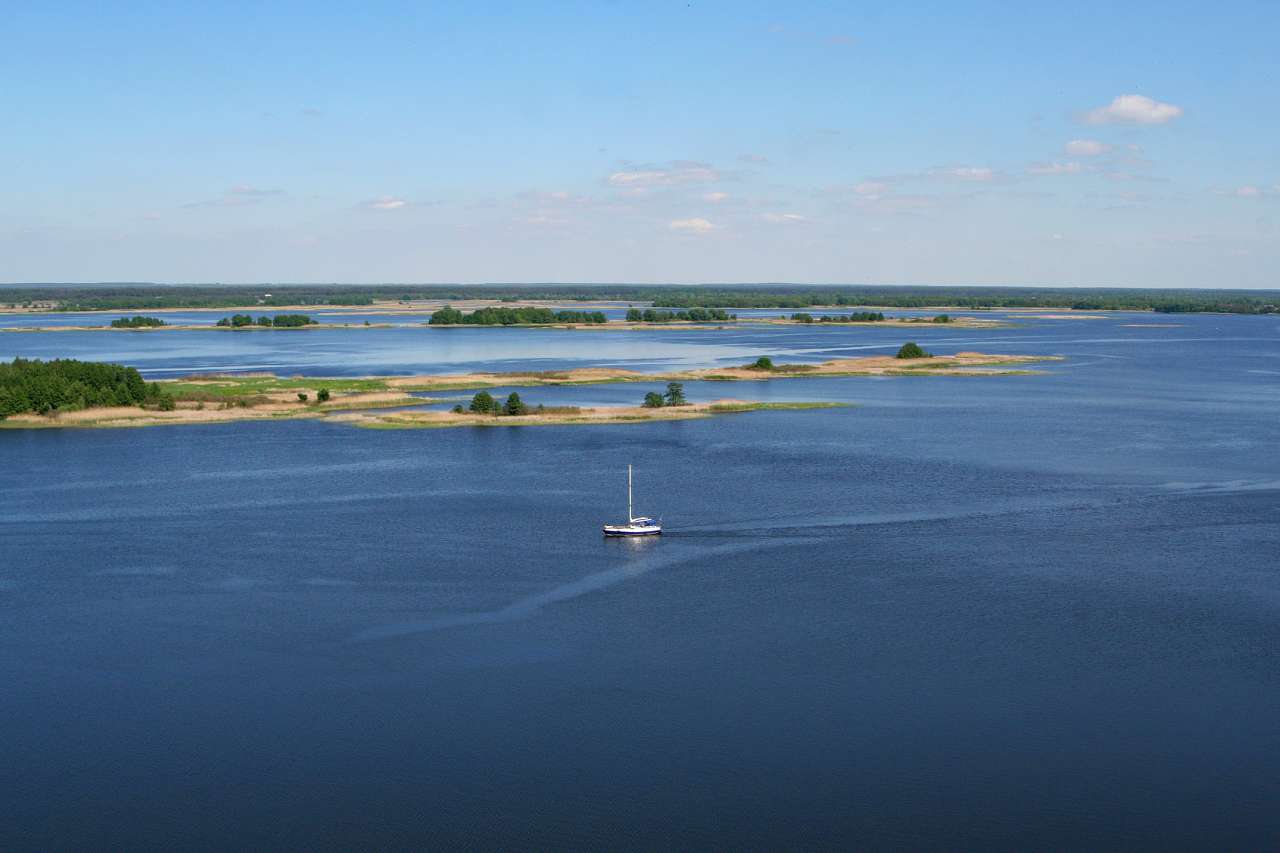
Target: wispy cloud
(784, 218)
(677, 173)
(1086, 148)
(1057, 168)
(1134, 109)
(238, 195)
(695, 225)
(972, 174)
(386, 202)
(754, 159)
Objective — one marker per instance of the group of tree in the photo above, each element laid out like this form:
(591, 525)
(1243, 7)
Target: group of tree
(912, 350)
(484, 404)
(504, 316)
(674, 396)
(322, 396)
(62, 385)
(694, 315)
(279, 321)
(855, 317)
(138, 322)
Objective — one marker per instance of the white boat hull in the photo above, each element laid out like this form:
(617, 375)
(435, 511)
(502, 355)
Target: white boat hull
(632, 530)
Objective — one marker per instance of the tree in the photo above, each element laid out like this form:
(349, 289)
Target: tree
(653, 400)
(322, 395)
(675, 394)
(634, 315)
(482, 403)
(912, 350)
(802, 318)
(942, 318)
(302, 396)
(763, 363)
(457, 410)
(514, 405)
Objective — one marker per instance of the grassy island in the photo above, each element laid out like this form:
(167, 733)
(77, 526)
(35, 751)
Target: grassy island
(118, 396)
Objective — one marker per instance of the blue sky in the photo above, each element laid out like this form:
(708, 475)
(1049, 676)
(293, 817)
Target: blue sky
(986, 143)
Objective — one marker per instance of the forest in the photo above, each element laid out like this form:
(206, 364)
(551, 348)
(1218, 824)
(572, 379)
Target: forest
(503, 316)
(64, 385)
(142, 296)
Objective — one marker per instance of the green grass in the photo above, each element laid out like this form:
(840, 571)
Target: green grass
(246, 386)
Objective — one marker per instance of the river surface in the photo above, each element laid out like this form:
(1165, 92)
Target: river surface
(1019, 612)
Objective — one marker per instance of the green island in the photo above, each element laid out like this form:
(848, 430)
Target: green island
(279, 321)
(137, 322)
(522, 316)
(67, 393)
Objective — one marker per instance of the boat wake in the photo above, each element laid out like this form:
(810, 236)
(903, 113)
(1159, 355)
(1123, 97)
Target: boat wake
(526, 607)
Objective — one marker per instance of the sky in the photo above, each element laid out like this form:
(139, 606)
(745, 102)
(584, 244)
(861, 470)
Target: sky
(1081, 144)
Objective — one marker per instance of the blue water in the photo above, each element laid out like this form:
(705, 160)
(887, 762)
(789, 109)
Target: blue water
(1017, 612)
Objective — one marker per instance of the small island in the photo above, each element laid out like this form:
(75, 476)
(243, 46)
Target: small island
(66, 393)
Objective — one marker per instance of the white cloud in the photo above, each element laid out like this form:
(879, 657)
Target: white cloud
(679, 172)
(386, 202)
(715, 197)
(696, 225)
(1086, 148)
(1069, 168)
(783, 217)
(757, 159)
(871, 188)
(1134, 109)
(979, 174)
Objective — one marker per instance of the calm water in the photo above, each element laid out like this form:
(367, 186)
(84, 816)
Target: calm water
(1017, 612)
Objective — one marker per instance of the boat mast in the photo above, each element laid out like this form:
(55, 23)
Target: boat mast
(630, 515)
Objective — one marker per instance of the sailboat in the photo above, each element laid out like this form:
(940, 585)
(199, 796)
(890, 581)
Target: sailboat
(636, 525)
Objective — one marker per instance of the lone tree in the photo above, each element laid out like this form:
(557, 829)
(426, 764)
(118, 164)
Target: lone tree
(912, 350)
(762, 363)
(514, 405)
(675, 394)
(302, 396)
(322, 395)
(482, 403)
(653, 400)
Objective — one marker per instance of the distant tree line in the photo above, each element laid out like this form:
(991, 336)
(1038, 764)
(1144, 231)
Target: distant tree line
(695, 315)
(143, 296)
(64, 385)
(279, 321)
(504, 316)
(138, 322)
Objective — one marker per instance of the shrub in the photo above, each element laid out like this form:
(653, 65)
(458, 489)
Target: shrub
(653, 400)
(942, 318)
(762, 363)
(802, 318)
(322, 395)
(302, 396)
(912, 350)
